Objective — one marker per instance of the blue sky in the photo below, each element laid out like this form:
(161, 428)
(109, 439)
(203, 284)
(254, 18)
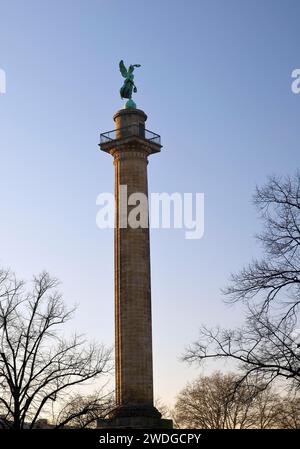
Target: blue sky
(214, 82)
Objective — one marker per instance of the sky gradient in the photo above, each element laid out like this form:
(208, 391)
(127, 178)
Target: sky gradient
(215, 83)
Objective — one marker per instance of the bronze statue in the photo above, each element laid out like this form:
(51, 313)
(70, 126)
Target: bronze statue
(128, 86)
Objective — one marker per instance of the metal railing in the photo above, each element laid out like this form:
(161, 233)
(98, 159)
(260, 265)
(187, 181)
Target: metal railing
(127, 131)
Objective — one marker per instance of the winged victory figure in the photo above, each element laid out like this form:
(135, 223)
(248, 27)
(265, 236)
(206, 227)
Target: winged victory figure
(128, 86)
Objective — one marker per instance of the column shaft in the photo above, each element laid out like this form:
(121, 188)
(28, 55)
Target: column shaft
(134, 373)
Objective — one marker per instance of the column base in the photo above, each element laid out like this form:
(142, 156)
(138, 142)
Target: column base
(135, 416)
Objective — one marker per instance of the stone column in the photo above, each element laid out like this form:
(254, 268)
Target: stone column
(133, 329)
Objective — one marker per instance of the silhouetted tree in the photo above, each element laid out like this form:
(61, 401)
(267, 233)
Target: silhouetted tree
(83, 411)
(289, 412)
(268, 343)
(37, 364)
(219, 402)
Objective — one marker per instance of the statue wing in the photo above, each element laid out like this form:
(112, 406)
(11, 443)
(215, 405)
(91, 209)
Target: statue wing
(123, 69)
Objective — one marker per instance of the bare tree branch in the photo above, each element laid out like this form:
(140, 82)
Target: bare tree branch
(37, 365)
(268, 343)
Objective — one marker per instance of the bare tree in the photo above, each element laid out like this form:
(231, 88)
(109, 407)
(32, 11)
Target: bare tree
(265, 406)
(37, 364)
(268, 343)
(277, 275)
(215, 402)
(264, 345)
(289, 412)
(83, 411)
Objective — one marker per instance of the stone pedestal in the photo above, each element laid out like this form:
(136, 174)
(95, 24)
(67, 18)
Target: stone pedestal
(136, 416)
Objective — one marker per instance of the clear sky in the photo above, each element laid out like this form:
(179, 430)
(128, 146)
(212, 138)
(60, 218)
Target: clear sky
(214, 82)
